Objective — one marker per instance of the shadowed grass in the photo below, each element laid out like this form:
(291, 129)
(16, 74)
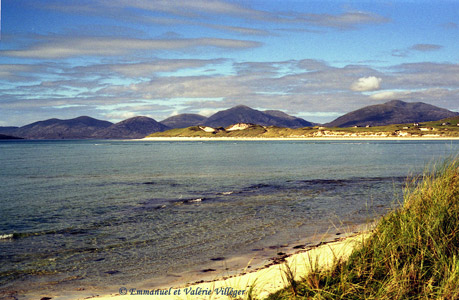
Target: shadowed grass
(413, 252)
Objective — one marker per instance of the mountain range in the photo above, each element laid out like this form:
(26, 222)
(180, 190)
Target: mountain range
(132, 128)
(392, 112)
(184, 120)
(245, 114)
(78, 128)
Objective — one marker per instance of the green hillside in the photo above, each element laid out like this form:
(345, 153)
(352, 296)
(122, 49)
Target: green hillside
(426, 129)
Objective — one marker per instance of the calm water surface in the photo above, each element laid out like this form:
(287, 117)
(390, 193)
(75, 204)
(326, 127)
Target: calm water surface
(93, 215)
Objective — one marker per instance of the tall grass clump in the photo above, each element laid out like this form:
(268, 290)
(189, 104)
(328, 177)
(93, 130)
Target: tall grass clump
(413, 252)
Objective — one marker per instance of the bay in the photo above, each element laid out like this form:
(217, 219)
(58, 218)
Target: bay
(96, 214)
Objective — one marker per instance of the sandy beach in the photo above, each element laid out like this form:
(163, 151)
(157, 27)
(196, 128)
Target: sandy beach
(260, 282)
(371, 138)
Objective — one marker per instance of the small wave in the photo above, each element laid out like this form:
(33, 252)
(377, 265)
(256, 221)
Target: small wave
(189, 201)
(65, 231)
(196, 200)
(226, 193)
(6, 236)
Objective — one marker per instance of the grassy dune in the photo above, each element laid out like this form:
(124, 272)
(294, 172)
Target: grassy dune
(399, 130)
(413, 252)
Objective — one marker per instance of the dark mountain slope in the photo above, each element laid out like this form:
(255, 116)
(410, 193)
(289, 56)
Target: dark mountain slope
(133, 128)
(245, 114)
(294, 122)
(77, 128)
(184, 120)
(392, 112)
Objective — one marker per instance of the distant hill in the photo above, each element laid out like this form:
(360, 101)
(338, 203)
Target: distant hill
(184, 120)
(133, 128)
(392, 112)
(77, 128)
(7, 130)
(245, 114)
(294, 122)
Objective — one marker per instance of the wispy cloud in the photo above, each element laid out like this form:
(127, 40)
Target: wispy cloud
(178, 7)
(64, 47)
(436, 96)
(451, 25)
(347, 20)
(417, 47)
(17, 72)
(170, 12)
(425, 47)
(148, 68)
(239, 30)
(166, 12)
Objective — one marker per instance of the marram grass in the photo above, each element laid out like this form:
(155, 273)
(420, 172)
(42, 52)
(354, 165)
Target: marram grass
(413, 252)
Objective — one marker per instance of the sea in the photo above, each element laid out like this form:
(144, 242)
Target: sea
(86, 217)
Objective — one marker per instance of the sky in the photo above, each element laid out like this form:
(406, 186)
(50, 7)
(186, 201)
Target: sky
(115, 59)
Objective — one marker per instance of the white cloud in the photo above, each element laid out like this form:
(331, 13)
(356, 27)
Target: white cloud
(207, 112)
(388, 95)
(363, 84)
(120, 115)
(321, 114)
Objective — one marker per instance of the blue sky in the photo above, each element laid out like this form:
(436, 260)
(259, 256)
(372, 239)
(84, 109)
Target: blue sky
(114, 59)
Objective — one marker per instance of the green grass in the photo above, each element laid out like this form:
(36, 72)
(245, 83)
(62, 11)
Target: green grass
(413, 252)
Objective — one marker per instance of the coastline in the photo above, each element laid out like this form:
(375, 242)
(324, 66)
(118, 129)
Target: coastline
(113, 289)
(335, 138)
(261, 281)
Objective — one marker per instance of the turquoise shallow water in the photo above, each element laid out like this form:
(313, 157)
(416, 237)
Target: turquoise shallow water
(92, 214)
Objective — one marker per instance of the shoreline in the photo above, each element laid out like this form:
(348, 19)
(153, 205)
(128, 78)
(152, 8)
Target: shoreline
(361, 138)
(266, 276)
(263, 280)
(233, 272)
